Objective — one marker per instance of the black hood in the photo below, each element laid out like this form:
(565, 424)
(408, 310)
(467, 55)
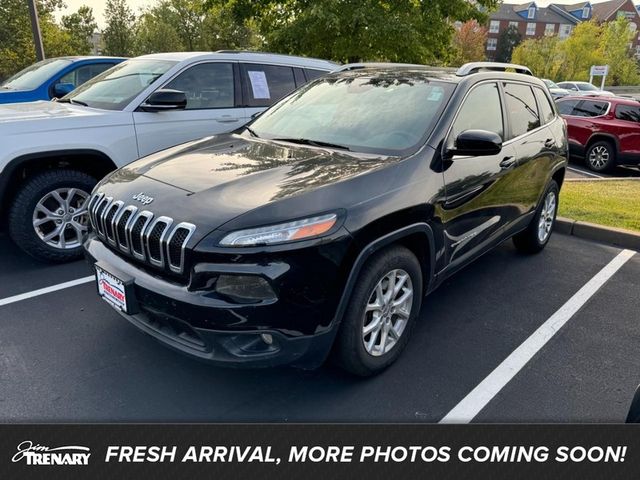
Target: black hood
(212, 181)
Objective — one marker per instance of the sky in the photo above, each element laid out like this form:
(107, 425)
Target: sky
(136, 5)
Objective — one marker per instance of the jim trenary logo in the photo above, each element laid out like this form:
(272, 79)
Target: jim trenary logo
(42, 455)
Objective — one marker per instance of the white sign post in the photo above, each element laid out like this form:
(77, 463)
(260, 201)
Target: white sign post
(599, 71)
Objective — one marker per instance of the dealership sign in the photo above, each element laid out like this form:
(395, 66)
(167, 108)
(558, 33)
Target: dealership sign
(599, 70)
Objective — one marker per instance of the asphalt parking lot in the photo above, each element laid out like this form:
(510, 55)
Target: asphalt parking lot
(577, 169)
(66, 356)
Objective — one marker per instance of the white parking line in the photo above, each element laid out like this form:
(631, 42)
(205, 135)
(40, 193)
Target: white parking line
(42, 291)
(584, 172)
(479, 397)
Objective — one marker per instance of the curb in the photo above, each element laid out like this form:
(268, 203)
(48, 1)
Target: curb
(598, 233)
(603, 179)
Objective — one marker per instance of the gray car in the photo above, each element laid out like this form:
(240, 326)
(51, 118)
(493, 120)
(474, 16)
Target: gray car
(585, 89)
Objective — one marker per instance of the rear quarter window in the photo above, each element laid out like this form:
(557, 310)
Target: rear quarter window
(547, 112)
(628, 113)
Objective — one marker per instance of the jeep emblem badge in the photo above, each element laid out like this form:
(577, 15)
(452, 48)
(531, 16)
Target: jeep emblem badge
(142, 198)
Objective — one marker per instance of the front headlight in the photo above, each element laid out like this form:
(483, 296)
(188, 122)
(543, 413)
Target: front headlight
(283, 232)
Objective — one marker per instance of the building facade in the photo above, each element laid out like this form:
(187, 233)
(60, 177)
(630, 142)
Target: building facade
(533, 21)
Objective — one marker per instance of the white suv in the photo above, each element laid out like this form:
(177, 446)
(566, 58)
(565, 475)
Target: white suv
(53, 153)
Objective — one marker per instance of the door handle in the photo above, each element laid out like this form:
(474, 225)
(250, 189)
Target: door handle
(226, 120)
(507, 162)
(549, 142)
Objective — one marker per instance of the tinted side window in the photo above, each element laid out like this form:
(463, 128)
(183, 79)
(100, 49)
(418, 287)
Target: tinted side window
(566, 107)
(522, 109)
(628, 113)
(544, 104)
(206, 85)
(263, 85)
(481, 110)
(313, 74)
(84, 73)
(588, 108)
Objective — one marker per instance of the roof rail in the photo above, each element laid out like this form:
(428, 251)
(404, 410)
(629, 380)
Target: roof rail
(476, 67)
(365, 65)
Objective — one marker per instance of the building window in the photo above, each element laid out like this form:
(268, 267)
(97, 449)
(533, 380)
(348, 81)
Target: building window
(531, 28)
(492, 43)
(550, 29)
(494, 26)
(513, 24)
(532, 12)
(565, 30)
(585, 12)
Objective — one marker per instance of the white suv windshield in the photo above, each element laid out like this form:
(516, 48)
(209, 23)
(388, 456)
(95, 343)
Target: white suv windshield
(115, 88)
(388, 112)
(586, 87)
(35, 75)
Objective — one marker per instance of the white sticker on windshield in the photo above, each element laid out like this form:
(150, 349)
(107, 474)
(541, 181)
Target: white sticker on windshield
(259, 84)
(436, 94)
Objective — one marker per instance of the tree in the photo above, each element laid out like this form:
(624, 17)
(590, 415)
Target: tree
(543, 56)
(16, 41)
(614, 48)
(119, 34)
(354, 30)
(469, 42)
(581, 50)
(80, 27)
(509, 39)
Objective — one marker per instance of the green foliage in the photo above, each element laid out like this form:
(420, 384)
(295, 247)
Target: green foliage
(509, 39)
(589, 44)
(176, 25)
(468, 43)
(357, 30)
(80, 27)
(119, 34)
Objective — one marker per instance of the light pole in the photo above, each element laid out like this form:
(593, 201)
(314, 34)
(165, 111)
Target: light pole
(35, 28)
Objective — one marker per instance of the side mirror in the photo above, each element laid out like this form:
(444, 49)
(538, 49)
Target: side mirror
(163, 100)
(477, 143)
(634, 410)
(61, 89)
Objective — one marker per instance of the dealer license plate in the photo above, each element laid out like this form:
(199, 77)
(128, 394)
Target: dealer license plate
(111, 289)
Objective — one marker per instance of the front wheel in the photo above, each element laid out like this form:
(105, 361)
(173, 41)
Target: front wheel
(48, 218)
(537, 234)
(382, 310)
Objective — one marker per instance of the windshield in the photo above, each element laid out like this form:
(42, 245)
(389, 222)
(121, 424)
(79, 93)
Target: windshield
(115, 88)
(388, 112)
(550, 84)
(586, 87)
(35, 75)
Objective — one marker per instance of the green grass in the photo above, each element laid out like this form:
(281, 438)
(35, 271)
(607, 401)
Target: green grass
(611, 203)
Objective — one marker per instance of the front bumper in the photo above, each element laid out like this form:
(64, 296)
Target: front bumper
(294, 329)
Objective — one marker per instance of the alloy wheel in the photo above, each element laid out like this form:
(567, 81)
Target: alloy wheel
(387, 313)
(547, 216)
(60, 218)
(599, 156)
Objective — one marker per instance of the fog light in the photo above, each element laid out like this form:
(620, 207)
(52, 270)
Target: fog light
(266, 338)
(244, 288)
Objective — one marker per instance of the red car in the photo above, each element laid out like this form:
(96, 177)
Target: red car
(605, 131)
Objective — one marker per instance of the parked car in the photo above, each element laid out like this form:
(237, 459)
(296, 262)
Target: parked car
(555, 90)
(606, 132)
(59, 150)
(321, 225)
(585, 89)
(53, 78)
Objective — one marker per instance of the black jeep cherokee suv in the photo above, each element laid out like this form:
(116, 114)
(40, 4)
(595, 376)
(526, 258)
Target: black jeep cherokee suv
(322, 225)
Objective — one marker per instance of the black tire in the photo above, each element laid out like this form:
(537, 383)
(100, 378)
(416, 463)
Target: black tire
(529, 241)
(349, 350)
(21, 227)
(595, 153)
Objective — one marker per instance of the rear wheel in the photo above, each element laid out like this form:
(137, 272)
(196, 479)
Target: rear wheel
(381, 312)
(537, 234)
(601, 156)
(48, 218)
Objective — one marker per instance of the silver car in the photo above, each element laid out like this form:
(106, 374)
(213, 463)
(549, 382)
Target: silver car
(585, 89)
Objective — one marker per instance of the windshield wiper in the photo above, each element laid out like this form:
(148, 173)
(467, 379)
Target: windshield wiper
(250, 130)
(314, 143)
